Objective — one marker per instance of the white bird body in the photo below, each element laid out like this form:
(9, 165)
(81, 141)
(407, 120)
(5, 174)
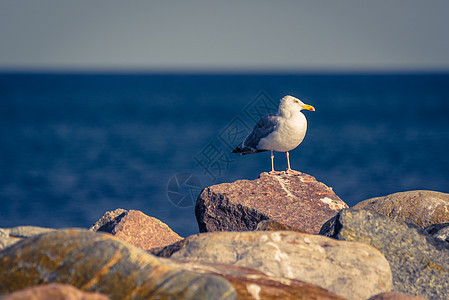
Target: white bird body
(282, 131)
(294, 128)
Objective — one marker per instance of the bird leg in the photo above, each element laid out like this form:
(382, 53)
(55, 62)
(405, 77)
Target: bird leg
(289, 170)
(272, 172)
(272, 162)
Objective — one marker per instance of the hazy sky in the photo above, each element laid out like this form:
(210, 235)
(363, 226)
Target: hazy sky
(225, 35)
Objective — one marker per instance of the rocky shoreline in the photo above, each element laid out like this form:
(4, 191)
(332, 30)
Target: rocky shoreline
(275, 237)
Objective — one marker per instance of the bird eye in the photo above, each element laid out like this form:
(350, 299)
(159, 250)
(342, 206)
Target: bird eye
(296, 101)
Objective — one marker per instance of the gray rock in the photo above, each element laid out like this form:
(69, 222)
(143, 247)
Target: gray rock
(419, 262)
(351, 270)
(422, 208)
(439, 231)
(10, 236)
(27, 231)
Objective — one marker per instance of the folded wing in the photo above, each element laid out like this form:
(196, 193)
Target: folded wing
(263, 128)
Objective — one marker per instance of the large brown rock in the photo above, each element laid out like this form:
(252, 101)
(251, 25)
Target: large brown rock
(351, 270)
(298, 201)
(53, 291)
(101, 263)
(253, 284)
(422, 208)
(136, 228)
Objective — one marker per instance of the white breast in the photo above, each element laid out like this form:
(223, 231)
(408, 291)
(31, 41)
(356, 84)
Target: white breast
(288, 135)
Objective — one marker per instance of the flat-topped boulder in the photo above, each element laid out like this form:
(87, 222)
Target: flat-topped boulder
(350, 270)
(298, 201)
(253, 284)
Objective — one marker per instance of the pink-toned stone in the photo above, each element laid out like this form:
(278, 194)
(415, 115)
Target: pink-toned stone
(53, 291)
(299, 201)
(137, 229)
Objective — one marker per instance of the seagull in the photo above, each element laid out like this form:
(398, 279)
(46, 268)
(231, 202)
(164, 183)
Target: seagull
(282, 131)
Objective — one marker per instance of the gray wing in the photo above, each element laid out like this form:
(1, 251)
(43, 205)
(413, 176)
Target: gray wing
(263, 127)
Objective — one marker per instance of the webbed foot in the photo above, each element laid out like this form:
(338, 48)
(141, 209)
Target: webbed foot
(292, 172)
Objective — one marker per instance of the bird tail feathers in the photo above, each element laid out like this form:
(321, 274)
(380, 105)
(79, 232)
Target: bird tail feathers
(246, 150)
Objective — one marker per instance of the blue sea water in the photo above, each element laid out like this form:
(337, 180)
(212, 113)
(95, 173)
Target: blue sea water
(73, 146)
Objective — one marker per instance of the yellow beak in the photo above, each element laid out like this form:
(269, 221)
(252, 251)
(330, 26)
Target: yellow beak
(309, 107)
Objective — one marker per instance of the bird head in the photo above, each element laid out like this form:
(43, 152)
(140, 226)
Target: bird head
(290, 103)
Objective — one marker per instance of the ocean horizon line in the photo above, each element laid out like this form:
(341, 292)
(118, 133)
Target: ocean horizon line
(223, 72)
